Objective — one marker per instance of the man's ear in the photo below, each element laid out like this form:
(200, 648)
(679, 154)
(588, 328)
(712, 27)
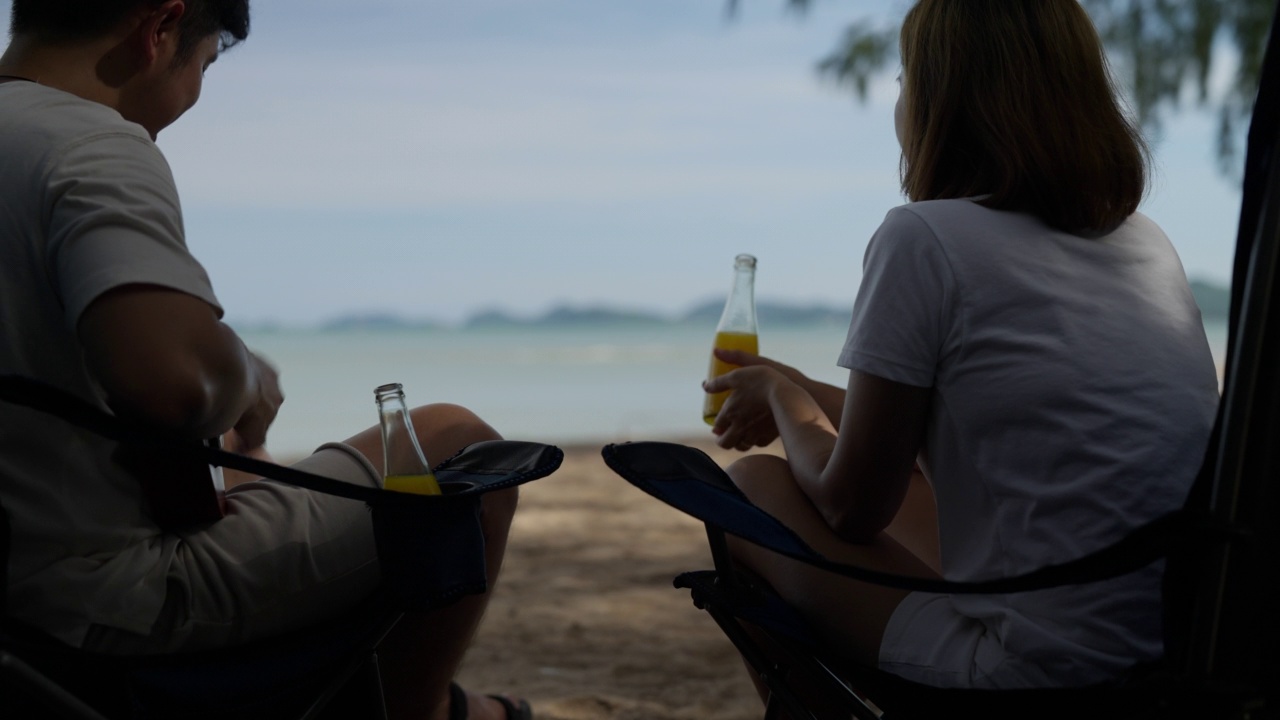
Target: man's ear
(159, 29)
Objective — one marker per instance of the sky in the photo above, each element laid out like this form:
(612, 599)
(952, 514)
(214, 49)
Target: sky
(438, 158)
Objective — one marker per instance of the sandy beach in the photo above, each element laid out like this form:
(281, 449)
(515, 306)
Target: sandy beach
(585, 622)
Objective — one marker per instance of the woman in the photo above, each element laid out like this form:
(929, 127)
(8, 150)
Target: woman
(1024, 348)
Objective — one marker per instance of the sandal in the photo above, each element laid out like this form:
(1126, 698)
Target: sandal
(517, 710)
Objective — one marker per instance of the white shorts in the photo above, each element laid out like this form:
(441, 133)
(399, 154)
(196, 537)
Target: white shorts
(927, 640)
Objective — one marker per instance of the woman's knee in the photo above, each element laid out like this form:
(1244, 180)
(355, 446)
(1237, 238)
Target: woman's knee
(756, 475)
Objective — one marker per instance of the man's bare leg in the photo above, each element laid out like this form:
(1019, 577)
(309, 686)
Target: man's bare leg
(421, 655)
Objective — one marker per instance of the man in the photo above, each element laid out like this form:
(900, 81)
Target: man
(99, 296)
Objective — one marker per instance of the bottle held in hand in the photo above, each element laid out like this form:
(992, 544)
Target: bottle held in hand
(737, 329)
(405, 466)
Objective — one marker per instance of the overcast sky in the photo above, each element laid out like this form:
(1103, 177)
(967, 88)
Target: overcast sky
(440, 157)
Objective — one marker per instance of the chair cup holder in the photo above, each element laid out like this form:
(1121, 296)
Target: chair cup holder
(430, 548)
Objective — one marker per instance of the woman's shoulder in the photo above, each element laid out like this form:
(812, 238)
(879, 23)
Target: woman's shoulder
(968, 209)
(1140, 223)
(958, 218)
(951, 214)
(959, 222)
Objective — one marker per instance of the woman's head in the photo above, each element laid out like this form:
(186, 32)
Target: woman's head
(1013, 99)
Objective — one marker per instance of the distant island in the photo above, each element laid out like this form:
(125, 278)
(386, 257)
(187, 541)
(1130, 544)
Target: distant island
(1214, 301)
(706, 313)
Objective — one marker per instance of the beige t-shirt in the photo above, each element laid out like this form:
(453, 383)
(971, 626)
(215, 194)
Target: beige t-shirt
(87, 203)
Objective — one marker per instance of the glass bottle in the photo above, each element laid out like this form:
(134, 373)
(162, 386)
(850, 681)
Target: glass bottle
(405, 467)
(737, 329)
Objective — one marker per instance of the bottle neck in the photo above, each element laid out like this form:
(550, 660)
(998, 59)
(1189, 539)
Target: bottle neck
(740, 308)
(401, 453)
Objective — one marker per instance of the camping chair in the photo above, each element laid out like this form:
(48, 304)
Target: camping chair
(1221, 548)
(298, 675)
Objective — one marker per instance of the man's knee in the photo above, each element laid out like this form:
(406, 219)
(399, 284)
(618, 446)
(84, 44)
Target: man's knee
(499, 508)
(443, 429)
(447, 417)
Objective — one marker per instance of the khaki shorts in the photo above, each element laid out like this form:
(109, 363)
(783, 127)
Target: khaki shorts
(282, 559)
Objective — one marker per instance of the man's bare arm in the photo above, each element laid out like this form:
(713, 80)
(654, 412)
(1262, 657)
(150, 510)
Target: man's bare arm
(164, 356)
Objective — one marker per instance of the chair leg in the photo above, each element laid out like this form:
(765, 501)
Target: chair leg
(377, 699)
(360, 697)
(359, 694)
(772, 708)
(51, 697)
(773, 672)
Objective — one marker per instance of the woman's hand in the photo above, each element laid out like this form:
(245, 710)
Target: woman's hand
(746, 419)
(829, 397)
(743, 358)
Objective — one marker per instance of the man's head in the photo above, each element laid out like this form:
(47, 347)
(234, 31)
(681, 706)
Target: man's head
(71, 20)
(144, 58)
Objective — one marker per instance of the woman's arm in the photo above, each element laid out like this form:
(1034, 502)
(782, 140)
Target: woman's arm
(860, 486)
(856, 478)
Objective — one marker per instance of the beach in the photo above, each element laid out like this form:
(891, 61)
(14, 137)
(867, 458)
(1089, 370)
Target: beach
(585, 622)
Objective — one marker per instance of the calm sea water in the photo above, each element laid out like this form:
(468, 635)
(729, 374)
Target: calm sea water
(561, 385)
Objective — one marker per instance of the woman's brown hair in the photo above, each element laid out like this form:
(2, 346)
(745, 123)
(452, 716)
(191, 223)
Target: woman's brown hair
(1013, 99)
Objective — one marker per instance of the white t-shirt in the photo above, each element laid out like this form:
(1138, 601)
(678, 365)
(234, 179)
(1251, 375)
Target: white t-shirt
(1074, 393)
(87, 203)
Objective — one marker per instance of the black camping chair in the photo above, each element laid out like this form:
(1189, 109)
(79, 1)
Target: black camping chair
(302, 675)
(1222, 548)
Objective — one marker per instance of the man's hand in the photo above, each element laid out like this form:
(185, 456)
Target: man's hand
(164, 357)
(251, 428)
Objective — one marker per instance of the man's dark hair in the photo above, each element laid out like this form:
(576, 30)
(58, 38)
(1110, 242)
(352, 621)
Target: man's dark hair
(59, 20)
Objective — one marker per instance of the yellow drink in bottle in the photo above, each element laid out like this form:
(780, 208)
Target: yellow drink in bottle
(417, 484)
(749, 342)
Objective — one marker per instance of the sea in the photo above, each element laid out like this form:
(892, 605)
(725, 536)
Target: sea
(572, 385)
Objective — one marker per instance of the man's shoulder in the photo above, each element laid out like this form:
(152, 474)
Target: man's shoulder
(33, 115)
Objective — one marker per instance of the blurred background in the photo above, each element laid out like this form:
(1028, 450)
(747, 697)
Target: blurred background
(532, 208)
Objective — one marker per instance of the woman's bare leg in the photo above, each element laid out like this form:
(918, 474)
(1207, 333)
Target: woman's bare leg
(915, 526)
(854, 613)
(420, 656)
